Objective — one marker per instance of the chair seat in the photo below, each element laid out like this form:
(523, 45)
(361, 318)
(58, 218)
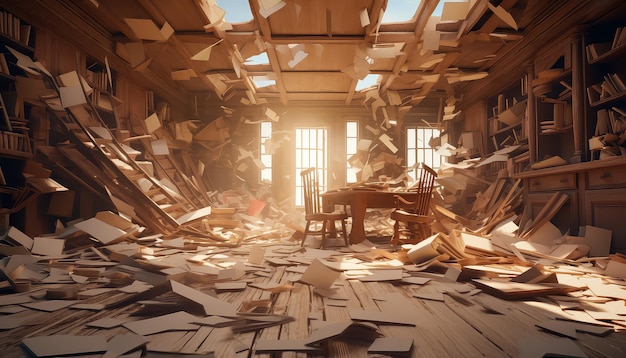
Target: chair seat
(314, 213)
(326, 216)
(405, 216)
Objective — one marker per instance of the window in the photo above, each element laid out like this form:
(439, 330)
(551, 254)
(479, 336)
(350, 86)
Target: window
(352, 140)
(237, 11)
(369, 81)
(266, 156)
(400, 11)
(311, 151)
(418, 150)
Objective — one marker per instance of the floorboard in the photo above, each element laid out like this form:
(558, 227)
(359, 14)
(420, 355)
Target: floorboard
(461, 325)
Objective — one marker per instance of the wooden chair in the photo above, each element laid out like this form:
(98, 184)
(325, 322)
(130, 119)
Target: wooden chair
(313, 210)
(412, 218)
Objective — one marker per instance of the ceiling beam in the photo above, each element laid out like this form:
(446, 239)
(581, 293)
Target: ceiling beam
(266, 34)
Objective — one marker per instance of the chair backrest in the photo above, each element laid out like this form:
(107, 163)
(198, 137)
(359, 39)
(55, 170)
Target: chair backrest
(424, 187)
(310, 186)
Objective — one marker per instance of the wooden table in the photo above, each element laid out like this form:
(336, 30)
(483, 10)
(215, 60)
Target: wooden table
(359, 200)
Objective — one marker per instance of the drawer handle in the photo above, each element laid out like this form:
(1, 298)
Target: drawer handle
(605, 175)
(564, 180)
(536, 183)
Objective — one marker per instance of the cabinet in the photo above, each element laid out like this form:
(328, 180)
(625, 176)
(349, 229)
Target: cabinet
(506, 116)
(507, 127)
(555, 114)
(539, 189)
(605, 77)
(15, 139)
(596, 193)
(15, 38)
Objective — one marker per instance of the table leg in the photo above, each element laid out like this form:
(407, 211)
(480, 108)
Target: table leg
(358, 205)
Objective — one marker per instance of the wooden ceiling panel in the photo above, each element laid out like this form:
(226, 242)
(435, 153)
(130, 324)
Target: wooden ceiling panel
(165, 55)
(219, 59)
(476, 57)
(320, 57)
(306, 17)
(346, 21)
(383, 64)
(317, 82)
(112, 12)
(183, 16)
(322, 97)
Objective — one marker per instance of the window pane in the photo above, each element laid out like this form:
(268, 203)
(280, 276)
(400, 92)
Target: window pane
(351, 129)
(311, 151)
(265, 157)
(352, 142)
(410, 138)
(418, 150)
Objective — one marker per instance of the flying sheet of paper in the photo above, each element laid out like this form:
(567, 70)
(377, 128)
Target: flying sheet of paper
(504, 15)
(205, 54)
(365, 17)
(146, 29)
(454, 11)
(387, 141)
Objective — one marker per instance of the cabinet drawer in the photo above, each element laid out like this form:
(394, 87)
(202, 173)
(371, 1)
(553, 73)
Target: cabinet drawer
(607, 177)
(553, 182)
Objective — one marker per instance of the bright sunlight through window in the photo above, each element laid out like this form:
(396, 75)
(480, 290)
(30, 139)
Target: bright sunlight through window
(237, 11)
(266, 156)
(418, 151)
(311, 151)
(400, 11)
(352, 140)
(370, 80)
(260, 59)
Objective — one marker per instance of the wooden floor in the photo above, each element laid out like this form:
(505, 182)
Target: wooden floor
(464, 324)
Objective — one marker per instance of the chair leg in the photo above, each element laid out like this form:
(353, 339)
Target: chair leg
(323, 234)
(411, 231)
(344, 232)
(306, 232)
(395, 239)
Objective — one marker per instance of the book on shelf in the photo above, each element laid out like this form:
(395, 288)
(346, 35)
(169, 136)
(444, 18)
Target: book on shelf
(4, 65)
(548, 126)
(11, 26)
(568, 116)
(617, 121)
(25, 31)
(508, 140)
(608, 89)
(619, 38)
(622, 112)
(617, 81)
(558, 113)
(602, 122)
(597, 49)
(593, 93)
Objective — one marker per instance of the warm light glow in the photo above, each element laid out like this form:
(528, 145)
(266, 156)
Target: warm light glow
(352, 140)
(311, 151)
(419, 151)
(265, 150)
